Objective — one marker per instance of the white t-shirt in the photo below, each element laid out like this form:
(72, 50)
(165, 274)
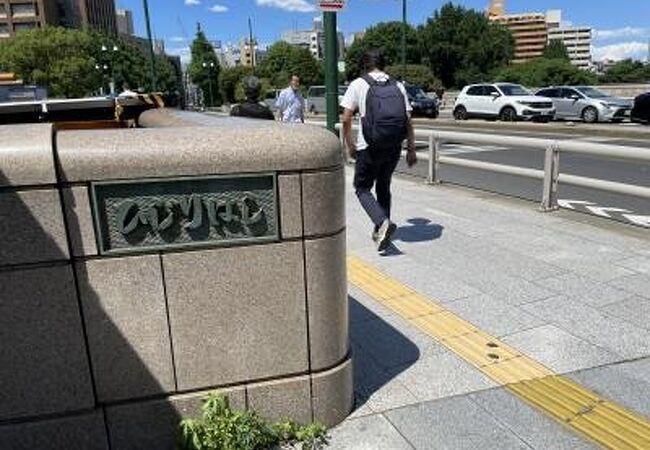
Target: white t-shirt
(355, 97)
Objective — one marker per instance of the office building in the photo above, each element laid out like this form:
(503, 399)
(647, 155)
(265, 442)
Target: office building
(530, 32)
(577, 40)
(313, 39)
(124, 22)
(19, 15)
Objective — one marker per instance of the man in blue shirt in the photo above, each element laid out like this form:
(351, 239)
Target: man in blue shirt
(290, 103)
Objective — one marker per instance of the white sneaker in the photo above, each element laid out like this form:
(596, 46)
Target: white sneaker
(384, 234)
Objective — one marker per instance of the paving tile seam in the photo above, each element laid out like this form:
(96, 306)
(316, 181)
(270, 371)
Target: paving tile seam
(569, 403)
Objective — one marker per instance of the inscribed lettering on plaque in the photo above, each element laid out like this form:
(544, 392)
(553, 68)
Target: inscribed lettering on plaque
(149, 215)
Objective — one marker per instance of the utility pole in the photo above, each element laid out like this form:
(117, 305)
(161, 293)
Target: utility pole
(404, 28)
(152, 61)
(331, 70)
(251, 43)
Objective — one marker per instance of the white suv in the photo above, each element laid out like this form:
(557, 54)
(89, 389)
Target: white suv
(503, 101)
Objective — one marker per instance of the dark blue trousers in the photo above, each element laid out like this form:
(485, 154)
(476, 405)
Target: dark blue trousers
(375, 168)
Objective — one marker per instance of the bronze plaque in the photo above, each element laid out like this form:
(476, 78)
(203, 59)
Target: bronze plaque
(163, 214)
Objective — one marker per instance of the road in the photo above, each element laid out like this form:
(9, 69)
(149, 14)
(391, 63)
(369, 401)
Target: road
(617, 207)
(628, 209)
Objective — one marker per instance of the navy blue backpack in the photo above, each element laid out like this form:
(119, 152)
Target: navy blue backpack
(384, 125)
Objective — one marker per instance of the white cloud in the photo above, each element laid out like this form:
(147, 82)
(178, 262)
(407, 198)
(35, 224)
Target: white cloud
(623, 50)
(289, 5)
(177, 39)
(218, 9)
(619, 33)
(192, 2)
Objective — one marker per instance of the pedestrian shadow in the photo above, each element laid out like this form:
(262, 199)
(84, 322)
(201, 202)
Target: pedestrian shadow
(380, 352)
(418, 230)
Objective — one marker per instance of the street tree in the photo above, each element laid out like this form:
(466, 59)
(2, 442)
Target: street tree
(230, 79)
(417, 74)
(462, 46)
(283, 59)
(546, 72)
(627, 71)
(59, 59)
(388, 37)
(204, 68)
(128, 63)
(556, 50)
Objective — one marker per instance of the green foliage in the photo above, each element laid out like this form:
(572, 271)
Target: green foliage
(283, 59)
(627, 71)
(416, 74)
(204, 68)
(231, 78)
(221, 428)
(546, 72)
(556, 50)
(57, 58)
(462, 46)
(65, 61)
(388, 37)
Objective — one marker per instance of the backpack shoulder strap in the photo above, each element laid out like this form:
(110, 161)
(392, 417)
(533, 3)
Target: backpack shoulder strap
(370, 80)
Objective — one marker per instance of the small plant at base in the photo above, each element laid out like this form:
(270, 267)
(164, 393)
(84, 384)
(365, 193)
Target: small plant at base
(221, 428)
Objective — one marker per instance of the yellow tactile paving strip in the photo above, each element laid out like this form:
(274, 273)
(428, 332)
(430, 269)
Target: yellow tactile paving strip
(576, 407)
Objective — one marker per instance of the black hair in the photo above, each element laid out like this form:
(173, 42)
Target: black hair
(252, 87)
(372, 59)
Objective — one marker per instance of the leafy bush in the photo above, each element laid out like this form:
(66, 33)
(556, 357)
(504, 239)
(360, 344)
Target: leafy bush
(221, 428)
(546, 72)
(416, 74)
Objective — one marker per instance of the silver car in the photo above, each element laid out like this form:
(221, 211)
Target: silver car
(586, 103)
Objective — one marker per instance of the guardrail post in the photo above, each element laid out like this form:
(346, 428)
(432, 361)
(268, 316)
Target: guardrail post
(551, 174)
(433, 176)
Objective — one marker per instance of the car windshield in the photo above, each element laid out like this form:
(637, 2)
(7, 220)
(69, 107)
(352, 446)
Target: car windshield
(513, 89)
(416, 93)
(591, 92)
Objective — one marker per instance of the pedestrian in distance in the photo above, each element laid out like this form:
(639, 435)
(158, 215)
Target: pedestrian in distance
(252, 107)
(291, 103)
(385, 122)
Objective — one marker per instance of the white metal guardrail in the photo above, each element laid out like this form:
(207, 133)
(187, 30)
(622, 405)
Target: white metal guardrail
(550, 176)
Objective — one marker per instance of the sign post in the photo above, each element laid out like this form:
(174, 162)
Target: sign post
(330, 8)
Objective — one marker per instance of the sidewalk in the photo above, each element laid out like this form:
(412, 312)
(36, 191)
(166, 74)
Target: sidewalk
(568, 293)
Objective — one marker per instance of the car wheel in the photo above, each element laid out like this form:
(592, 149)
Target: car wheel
(460, 113)
(590, 115)
(508, 114)
(312, 109)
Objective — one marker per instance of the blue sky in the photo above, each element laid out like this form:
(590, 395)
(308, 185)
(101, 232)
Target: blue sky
(622, 26)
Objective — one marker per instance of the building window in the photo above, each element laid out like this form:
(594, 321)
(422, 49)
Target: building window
(24, 26)
(4, 29)
(3, 10)
(23, 9)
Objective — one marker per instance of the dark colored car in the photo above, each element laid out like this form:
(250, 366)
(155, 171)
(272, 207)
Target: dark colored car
(423, 105)
(641, 111)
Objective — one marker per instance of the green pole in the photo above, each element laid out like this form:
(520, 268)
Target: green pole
(331, 70)
(152, 62)
(404, 28)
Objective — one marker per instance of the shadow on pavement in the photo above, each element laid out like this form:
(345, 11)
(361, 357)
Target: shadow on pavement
(418, 230)
(380, 351)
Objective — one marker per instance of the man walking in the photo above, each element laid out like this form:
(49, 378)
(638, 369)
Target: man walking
(385, 122)
(290, 103)
(252, 107)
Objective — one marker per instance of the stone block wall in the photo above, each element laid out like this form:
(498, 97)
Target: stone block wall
(110, 350)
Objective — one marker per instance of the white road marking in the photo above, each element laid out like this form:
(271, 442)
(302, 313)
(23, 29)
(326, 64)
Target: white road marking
(605, 211)
(644, 221)
(602, 211)
(569, 203)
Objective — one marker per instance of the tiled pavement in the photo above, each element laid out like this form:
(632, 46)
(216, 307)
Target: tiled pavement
(573, 294)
